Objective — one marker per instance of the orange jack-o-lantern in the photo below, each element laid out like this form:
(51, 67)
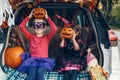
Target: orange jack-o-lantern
(38, 13)
(12, 56)
(67, 32)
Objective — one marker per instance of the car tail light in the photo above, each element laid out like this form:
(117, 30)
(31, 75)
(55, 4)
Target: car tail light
(112, 38)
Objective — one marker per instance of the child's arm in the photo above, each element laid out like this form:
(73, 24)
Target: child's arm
(52, 25)
(75, 44)
(53, 28)
(62, 43)
(23, 28)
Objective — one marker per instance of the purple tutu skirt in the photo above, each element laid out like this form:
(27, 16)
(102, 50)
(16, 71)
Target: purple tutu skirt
(32, 61)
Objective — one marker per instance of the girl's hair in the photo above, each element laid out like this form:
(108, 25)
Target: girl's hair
(77, 29)
(31, 21)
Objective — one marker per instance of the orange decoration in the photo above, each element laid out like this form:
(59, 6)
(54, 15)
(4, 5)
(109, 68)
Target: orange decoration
(12, 56)
(15, 3)
(38, 13)
(67, 32)
(4, 24)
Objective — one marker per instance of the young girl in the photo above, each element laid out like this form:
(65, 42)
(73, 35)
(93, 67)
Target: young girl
(71, 62)
(38, 62)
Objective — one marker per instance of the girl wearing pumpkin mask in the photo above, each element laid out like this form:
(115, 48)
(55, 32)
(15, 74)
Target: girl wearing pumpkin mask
(38, 63)
(70, 63)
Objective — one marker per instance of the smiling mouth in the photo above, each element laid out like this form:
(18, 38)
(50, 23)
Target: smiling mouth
(66, 34)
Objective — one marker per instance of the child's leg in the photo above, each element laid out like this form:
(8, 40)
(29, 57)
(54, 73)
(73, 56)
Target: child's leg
(74, 75)
(31, 73)
(40, 73)
(66, 75)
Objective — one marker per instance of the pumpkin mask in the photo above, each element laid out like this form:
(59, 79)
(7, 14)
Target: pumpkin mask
(67, 32)
(38, 13)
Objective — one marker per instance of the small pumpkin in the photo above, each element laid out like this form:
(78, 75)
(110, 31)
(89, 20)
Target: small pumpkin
(67, 32)
(12, 56)
(38, 13)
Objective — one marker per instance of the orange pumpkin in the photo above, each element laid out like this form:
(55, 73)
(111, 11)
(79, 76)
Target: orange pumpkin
(4, 24)
(38, 13)
(67, 32)
(15, 3)
(12, 56)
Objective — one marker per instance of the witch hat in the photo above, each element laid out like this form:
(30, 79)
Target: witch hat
(65, 21)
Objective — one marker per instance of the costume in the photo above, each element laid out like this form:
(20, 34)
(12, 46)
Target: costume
(71, 62)
(96, 71)
(38, 48)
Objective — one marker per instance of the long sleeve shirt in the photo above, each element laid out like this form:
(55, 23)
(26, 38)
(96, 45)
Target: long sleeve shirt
(38, 45)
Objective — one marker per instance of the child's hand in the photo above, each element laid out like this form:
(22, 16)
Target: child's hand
(45, 14)
(31, 14)
(61, 36)
(74, 35)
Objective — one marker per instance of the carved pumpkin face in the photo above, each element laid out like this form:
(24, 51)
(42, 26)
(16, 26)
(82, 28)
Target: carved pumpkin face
(38, 13)
(12, 56)
(67, 32)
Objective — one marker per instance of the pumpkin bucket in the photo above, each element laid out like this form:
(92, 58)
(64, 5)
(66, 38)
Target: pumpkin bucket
(67, 32)
(38, 13)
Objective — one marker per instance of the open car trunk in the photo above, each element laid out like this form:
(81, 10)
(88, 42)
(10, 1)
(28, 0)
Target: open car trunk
(89, 22)
(74, 14)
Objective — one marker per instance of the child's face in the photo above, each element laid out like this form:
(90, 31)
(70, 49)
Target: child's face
(39, 26)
